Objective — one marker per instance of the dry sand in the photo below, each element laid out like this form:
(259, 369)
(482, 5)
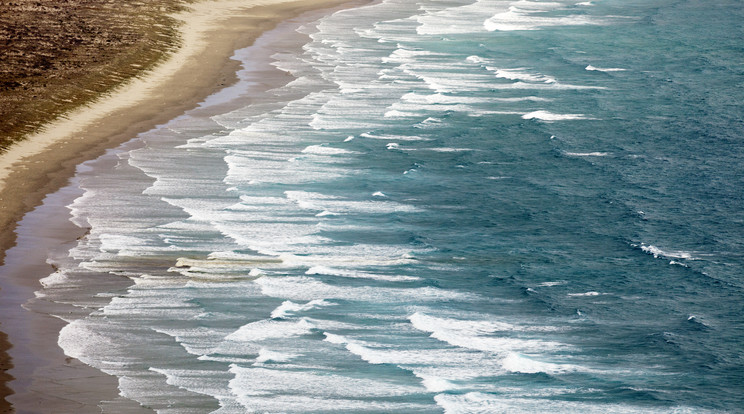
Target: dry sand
(210, 33)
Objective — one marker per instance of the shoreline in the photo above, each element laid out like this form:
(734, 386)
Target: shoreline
(42, 164)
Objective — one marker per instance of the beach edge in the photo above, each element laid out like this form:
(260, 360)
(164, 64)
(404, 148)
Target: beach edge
(43, 163)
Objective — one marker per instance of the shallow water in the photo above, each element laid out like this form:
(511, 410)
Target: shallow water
(456, 206)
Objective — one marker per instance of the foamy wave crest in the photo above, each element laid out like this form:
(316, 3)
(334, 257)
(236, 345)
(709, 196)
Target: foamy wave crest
(478, 335)
(593, 68)
(657, 252)
(81, 340)
(450, 20)
(306, 288)
(288, 307)
(270, 329)
(523, 99)
(524, 15)
(439, 98)
(586, 154)
(324, 270)
(252, 383)
(592, 293)
(403, 55)
(515, 362)
(400, 114)
(56, 279)
(448, 149)
(331, 204)
(521, 75)
(436, 384)
(394, 137)
(551, 117)
(437, 367)
(325, 150)
(480, 402)
(265, 355)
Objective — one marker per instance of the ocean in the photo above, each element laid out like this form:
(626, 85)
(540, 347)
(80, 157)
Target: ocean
(452, 206)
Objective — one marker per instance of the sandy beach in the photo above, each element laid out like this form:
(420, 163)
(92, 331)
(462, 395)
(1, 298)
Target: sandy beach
(210, 32)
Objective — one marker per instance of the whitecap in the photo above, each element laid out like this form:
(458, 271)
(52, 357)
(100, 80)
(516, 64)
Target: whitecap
(324, 270)
(436, 384)
(324, 150)
(271, 329)
(478, 335)
(394, 137)
(265, 355)
(288, 307)
(550, 117)
(657, 252)
(586, 154)
(306, 288)
(448, 149)
(259, 381)
(515, 362)
(53, 280)
(524, 18)
(521, 74)
(593, 68)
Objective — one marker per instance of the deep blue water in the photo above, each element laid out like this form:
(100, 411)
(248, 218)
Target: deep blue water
(457, 206)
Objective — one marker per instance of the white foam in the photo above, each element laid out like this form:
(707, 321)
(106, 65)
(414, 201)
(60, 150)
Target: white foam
(536, 5)
(521, 74)
(429, 122)
(326, 213)
(550, 117)
(441, 99)
(335, 339)
(325, 270)
(478, 334)
(80, 339)
(436, 384)
(550, 284)
(208, 382)
(657, 252)
(479, 402)
(523, 99)
(53, 280)
(586, 154)
(263, 382)
(593, 68)
(332, 204)
(515, 362)
(403, 55)
(394, 137)
(448, 149)
(305, 288)
(265, 355)
(520, 17)
(325, 150)
(288, 307)
(269, 329)
(592, 293)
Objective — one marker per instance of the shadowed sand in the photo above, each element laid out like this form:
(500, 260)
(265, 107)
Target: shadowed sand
(210, 32)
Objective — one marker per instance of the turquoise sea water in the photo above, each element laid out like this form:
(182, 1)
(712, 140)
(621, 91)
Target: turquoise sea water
(455, 206)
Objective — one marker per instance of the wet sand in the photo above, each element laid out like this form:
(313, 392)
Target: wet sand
(210, 33)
